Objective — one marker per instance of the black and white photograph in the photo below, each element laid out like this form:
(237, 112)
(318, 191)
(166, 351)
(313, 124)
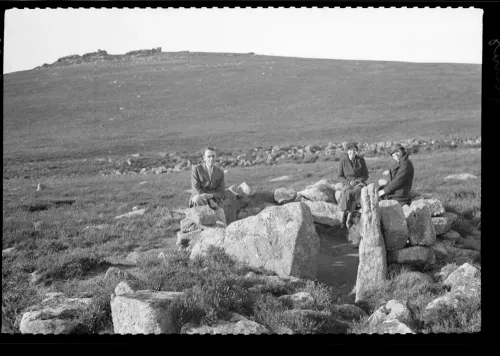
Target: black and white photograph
(242, 170)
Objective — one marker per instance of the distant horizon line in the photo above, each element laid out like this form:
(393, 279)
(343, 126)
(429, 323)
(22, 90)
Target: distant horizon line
(253, 54)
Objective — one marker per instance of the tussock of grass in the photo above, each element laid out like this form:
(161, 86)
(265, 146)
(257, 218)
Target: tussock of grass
(96, 318)
(76, 264)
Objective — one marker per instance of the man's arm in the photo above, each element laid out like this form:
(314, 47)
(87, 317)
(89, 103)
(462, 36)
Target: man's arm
(220, 192)
(195, 181)
(398, 181)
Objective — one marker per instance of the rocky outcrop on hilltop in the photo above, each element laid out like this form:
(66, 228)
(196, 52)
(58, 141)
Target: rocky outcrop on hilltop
(99, 57)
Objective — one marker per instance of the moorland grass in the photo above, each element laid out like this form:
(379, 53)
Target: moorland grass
(67, 243)
(94, 110)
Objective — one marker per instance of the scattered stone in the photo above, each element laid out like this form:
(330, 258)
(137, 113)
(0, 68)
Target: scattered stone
(135, 213)
(435, 206)
(420, 227)
(443, 223)
(450, 235)
(281, 239)
(319, 193)
(372, 268)
(237, 324)
(284, 195)
(279, 179)
(462, 255)
(128, 287)
(54, 315)
(462, 176)
(386, 173)
(188, 225)
(419, 255)
(397, 310)
(464, 272)
(144, 312)
(7, 250)
(471, 244)
(202, 215)
(133, 257)
(40, 187)
(440, 251)
(393, 225)
(244, 190)
(394, 326)
(325, 213)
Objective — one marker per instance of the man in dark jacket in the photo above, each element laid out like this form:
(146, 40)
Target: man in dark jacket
(400, 176)
(207, 181)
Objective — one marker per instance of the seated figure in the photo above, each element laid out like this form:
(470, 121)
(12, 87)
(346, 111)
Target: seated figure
(400, 177)
(207, 184)
(353, 173)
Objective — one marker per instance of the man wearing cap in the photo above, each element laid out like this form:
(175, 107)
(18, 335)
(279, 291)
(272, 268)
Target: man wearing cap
(400, 177)
(353, 173)
(207, 182)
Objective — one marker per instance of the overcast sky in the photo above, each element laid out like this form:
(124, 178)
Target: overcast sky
(34, 37)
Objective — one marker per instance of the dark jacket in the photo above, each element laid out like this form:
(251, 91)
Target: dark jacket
(201, 183)
(401, 179)
(356, 171)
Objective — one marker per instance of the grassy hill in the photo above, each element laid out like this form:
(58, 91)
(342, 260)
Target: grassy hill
(182, 101)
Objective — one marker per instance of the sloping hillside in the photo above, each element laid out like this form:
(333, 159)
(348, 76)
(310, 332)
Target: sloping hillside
(182, 101)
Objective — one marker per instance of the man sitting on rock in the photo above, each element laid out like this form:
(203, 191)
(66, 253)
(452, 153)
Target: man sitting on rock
(400, 177)
(207, 183)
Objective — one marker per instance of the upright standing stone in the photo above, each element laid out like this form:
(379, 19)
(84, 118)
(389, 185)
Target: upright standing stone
(393, 225)
(420, 226)
(230, 205)
(372, 268)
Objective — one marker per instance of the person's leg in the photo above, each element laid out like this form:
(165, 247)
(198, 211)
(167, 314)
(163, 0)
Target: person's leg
(198, 200)
(344, 205)
(352, 205)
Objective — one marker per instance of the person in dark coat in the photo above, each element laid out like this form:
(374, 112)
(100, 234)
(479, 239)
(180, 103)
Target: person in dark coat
(353, 173)
(400, 177)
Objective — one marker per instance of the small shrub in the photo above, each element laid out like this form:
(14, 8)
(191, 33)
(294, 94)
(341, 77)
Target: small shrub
(96, 318)
(464, 318)
(214, 298)
(67, 266)
(269, 311)
(321, 293)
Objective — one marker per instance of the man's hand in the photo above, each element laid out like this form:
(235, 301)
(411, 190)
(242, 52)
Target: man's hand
(381, 193)
(207, 196)
(352, 183)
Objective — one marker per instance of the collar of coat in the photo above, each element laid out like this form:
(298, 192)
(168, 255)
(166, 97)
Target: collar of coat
(205, 172)
(356, 162)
